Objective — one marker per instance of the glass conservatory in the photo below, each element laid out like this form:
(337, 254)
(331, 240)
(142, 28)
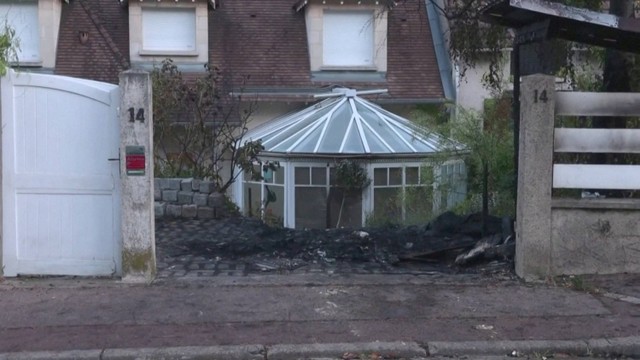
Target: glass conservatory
(302, 181)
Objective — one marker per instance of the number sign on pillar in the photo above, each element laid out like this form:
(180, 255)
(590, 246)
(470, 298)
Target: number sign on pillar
(136, 136)
(136, 114)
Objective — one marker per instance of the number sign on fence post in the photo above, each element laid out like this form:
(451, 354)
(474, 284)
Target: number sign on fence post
(136, 134)
(533, 229)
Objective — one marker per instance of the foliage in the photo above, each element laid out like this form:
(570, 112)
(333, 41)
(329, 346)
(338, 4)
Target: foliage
(352, 179)
(9, 46)
(471, 40)
(488, 144)
(198, 127)
(418, 200)
(350, 176)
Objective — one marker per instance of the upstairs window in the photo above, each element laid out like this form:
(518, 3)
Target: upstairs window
(348, 38)
(22, 16)
(169, 30)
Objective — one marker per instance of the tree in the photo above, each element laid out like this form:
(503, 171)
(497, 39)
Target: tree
(486, 148)
(198, 127)
(470, 39)
(351, 179)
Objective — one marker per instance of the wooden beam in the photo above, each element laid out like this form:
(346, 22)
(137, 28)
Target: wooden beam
(619, 177)
(597, 104)
(597, 140)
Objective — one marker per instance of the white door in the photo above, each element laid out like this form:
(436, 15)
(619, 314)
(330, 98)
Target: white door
(60, 192)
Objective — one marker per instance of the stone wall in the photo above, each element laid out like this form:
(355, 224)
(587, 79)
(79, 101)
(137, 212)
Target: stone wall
(189, 198)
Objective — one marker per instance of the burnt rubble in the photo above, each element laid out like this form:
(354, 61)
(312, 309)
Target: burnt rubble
(450, 241)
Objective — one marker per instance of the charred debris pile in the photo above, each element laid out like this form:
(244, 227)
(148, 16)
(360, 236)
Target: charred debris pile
(449, 240)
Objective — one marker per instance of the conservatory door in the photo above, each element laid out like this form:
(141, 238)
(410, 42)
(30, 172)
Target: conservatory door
(319, 204)
(265, 198)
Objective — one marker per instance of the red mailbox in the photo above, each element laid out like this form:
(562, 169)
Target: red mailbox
(135, 160)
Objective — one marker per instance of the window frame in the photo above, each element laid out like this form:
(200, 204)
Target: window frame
(168, 51)
(34, 33)
(371, 37)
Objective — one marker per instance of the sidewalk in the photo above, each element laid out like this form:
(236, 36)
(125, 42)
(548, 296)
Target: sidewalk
(441, 314)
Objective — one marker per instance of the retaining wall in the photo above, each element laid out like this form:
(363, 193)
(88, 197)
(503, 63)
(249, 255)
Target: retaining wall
(189, 198)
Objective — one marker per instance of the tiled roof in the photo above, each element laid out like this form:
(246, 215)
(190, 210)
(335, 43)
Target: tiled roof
(412, 66)
(265, 43)
(106, 52)
(260, 47)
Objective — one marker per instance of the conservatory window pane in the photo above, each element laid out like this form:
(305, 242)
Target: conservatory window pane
(267, 174)
(318, 176)
(349, 211)
(311, 207)
(332, 176)
(278, 175)
(380, 176)
(274, 210)
(395, 176)
(336, 129)
(302, 176)
(386, 205)
(252, 200)
(426, 175)
(247, 174)
(418, 204)
(353, 143)
(412, 175)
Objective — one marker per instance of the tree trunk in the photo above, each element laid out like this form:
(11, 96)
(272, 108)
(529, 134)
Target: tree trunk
(485, 197)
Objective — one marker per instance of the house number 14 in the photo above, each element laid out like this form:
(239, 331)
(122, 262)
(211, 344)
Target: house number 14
(540, 96)
(136, 115)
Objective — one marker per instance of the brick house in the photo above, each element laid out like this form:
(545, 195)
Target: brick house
(287, 49)
(282, 51)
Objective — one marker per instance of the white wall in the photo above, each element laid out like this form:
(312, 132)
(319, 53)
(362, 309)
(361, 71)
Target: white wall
(471, 93)
(49, 12)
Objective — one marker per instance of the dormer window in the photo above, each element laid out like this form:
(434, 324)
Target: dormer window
(176, 29)
(168, 30)
(348, 39)
(346, 36)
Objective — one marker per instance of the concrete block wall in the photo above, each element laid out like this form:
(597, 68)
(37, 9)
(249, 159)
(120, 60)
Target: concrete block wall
(189, 198)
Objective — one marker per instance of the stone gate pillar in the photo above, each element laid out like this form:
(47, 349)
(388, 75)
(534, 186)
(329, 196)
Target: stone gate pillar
(136, 172)
(535, 177)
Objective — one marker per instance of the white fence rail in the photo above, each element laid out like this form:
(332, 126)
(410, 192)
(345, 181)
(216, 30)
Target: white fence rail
(570, 140)
(597, 104)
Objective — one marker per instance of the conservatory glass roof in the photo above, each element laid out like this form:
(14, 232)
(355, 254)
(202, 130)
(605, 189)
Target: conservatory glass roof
(345, 123)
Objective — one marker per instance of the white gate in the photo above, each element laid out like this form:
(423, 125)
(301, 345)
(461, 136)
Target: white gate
(60, 192)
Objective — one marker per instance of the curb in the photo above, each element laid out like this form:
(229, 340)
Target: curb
(240, 352)
(336, 351)
(624, 346)
(627, 346)
(232, 352)
(53, 355)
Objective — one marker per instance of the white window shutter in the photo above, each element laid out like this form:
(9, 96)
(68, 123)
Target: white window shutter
(22, 16)
(169, 29)
(347, 38)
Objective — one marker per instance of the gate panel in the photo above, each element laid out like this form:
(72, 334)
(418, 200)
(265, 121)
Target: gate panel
(60, 191)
